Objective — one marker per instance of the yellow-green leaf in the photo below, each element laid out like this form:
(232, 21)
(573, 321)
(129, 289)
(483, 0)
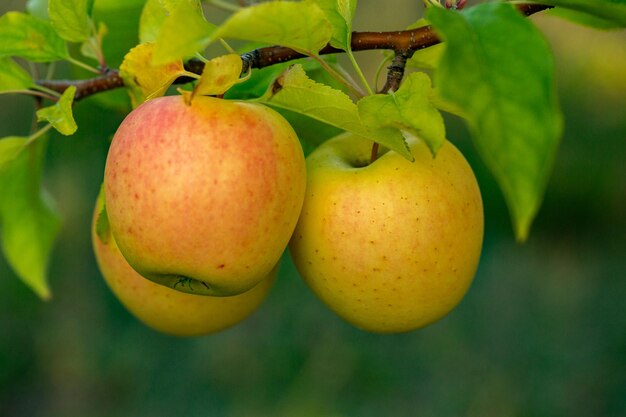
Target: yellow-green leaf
(408, 110)
(70, 18)
(340, 13)
(13, 77)
(28, 221)
(60, 115)
(31, 38)
(295, 91)
(302, 26)
(183, 33)
(219, 75)
(145, 80)
(10, 148)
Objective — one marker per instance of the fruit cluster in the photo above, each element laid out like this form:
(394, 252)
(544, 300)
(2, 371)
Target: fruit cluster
(201, 199)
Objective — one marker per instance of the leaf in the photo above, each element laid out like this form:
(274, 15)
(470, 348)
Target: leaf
(611, 10)
(182, 34)
(59, 115)
(37, 8)
(426, 58)
(340, 14)
(13, 76)
(91, 47)
(498, 68)
(301, 26)
(408, 110)
(582, 18)
(145, 80)
(10, 148)
(70, 18)
(218, 75)
(29, 224)
(30, 38)
(152, 17)
(103, 227)
(294, 91)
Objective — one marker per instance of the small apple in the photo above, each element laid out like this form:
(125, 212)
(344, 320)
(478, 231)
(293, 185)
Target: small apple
(393, 245)
(167, 310)
(205, 194)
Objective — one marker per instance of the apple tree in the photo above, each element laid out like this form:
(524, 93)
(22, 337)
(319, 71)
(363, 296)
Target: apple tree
(485, 63)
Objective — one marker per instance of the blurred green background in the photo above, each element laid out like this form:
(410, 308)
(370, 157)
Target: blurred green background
(542, 331)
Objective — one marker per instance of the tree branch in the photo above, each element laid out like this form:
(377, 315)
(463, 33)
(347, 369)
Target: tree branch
(403, 43)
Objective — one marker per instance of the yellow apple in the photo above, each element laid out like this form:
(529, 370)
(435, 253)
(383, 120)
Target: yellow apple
(204, 197)
(167, 310)
(393, 245)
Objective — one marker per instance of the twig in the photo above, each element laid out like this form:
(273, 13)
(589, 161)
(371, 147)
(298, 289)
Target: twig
(407, 41)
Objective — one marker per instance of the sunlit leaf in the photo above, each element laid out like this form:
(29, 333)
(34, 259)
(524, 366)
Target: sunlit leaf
(219, 75)
(498, 69)
(302, 26)
(294, 91)
(29, 224)
(10, 148)
(31, 38)
(408, 110)
(152, 17)
(340, 13)
(145, 80)
(13, 76)
(70, 18)
(183, 33)
(60, 115)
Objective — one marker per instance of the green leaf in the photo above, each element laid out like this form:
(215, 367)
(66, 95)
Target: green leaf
(294, 91)
(340, 13)
(103, 227)
(301, 26)
(13, 76)
(408, 110)
(142, 79)
(30, 38)
(71, 19)
(498, 69)
(611, 10)
(28, 223)
(10, 148)
(91, 48)
(182, 34)
(37, 8)
(152, 17)
(582, 18)
(59, 115)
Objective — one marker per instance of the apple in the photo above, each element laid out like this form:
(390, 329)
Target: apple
(204, 197)
(167, 310)
(393, 245)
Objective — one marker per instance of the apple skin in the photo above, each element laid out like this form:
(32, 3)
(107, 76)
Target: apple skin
(391, 246)
(208, 193)
(164, 309)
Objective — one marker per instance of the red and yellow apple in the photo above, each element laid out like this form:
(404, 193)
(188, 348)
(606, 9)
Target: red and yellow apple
(167, 310)
(393, 245)
(206, 194)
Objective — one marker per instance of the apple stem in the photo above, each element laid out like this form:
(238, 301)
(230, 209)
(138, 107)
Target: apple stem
(374, 154)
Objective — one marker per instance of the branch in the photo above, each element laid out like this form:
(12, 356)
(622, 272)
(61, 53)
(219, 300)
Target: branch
(403, 43)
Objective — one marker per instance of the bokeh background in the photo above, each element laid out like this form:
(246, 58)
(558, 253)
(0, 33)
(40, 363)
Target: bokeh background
(542, 331)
